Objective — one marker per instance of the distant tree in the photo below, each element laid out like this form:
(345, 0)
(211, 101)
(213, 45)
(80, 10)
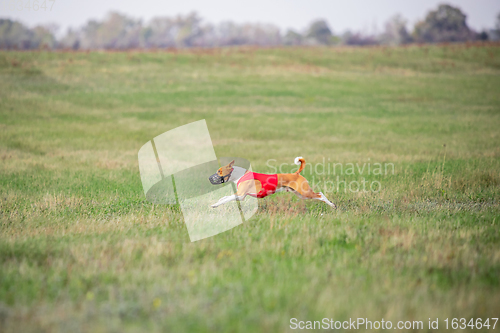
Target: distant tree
(483, 35)
(207, 36)
(15, 35)
(319, 32)
(180, 31)
(160, 32)
(230, 33)
(395, 32)
(495, 32)
(117, 31)
(187, 29)
(70, 40)
(89, 35)
(264, 34)
(293, 38)
(44, 36)
(446, 24)
(350, 38)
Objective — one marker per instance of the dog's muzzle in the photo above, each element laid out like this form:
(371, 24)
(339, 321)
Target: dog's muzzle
(215, 179)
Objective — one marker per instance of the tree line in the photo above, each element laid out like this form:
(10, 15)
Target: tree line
(117, 31)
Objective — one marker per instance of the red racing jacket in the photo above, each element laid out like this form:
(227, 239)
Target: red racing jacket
(269, 183)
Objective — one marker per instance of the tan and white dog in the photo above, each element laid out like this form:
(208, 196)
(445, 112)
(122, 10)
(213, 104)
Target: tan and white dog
(261, 185)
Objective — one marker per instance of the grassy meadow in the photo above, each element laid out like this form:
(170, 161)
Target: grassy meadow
(81, 250)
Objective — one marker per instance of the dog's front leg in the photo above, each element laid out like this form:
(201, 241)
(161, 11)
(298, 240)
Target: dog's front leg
(227, 199)
(324, 199)
(220, 202)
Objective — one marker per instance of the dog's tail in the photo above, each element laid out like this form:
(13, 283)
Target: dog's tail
(300, 161)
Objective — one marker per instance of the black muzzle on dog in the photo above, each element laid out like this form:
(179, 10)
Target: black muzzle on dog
(215, 179)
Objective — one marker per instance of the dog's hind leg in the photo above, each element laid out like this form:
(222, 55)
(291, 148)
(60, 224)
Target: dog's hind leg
(301, 187)
(317, 196)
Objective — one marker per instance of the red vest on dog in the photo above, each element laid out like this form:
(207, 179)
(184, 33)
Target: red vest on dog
(269, 183)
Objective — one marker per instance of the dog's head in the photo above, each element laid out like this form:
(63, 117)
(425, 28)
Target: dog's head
(222, 175)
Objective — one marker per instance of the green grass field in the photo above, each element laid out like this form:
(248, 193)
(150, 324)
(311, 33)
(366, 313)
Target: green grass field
(81, 250)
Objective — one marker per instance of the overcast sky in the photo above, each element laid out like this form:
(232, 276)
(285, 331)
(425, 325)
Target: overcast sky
(360, 15)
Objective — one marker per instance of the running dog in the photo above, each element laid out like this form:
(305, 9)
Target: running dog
(259, 185)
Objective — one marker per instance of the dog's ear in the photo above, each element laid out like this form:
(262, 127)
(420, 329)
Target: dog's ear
(231, 164)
